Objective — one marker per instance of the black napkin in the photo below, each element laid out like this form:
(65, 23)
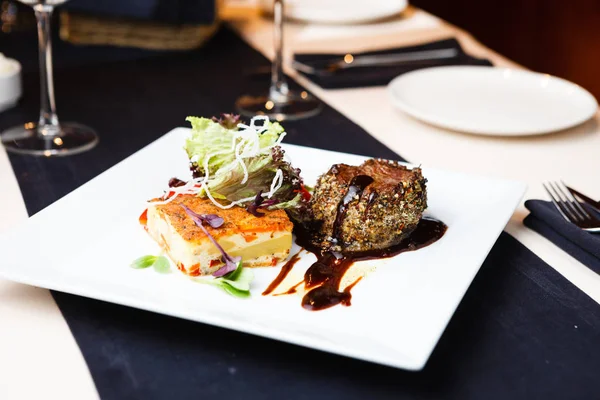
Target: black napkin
(382, 75)
(547, 221)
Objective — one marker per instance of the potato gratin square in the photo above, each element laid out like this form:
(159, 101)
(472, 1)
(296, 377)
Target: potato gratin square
(260, 241)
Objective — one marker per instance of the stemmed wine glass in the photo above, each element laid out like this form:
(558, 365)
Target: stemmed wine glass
(280, 102)
(48, 137)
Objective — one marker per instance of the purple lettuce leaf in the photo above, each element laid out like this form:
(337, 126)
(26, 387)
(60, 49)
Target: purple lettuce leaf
(252, 208)
(227, 121)
(213, 220)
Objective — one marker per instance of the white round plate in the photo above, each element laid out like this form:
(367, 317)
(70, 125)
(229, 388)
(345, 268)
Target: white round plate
(492, 101)
(338, 11)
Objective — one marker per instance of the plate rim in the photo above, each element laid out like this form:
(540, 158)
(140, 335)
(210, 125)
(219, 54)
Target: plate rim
(390, 10)
(434, 121)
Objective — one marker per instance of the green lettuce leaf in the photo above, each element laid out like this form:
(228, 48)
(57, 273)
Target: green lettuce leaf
(160, 264)
(207, 138)
(143, 262)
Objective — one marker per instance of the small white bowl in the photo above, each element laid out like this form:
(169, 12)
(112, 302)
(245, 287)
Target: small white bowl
(10, 83)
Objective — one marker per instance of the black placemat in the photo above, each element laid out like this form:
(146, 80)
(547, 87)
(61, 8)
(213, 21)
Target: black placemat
(522, 331)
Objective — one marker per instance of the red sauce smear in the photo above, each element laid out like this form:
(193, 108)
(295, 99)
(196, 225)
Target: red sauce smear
(144, 217)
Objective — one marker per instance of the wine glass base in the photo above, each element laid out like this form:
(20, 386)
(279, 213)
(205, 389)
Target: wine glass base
(73, 138)
(296, 106)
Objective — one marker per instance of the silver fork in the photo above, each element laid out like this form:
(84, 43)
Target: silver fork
(570, 208)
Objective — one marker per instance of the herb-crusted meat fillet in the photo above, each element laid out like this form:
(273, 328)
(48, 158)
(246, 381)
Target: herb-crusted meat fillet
(367, 207)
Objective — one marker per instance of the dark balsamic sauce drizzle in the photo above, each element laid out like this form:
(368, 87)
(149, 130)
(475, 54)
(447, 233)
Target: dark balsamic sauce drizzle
(285, 270)
(327, 272)
(325, 276)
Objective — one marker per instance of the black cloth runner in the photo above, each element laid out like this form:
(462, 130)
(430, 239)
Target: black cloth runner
(521, 332)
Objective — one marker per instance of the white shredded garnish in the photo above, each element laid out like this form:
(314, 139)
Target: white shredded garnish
(245, 144)
(276, 184)
(279, 139)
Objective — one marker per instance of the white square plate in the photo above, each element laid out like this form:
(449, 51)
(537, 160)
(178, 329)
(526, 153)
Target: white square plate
(83, 244)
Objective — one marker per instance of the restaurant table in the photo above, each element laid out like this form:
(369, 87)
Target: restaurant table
(39, 357)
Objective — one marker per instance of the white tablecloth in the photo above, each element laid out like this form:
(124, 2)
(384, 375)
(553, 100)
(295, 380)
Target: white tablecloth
(39, 357)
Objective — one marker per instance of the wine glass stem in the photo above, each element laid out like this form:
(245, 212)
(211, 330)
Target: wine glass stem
(48, 123)
(279, 88)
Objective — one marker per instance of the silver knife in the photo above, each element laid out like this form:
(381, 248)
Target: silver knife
(350, 61)
(595, 204)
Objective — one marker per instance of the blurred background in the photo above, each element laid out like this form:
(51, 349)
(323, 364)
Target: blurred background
(549, 36)
(552, 36)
